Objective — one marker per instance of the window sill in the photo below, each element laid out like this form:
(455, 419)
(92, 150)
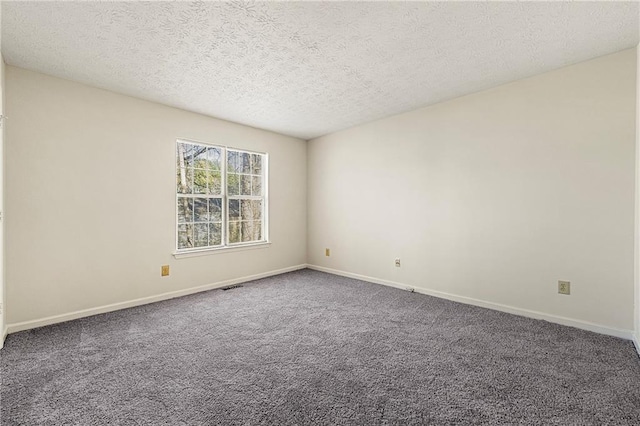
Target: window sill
(220, 250)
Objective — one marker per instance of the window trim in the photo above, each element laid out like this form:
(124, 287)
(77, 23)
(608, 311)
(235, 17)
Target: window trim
(197, 252)
(225, 247)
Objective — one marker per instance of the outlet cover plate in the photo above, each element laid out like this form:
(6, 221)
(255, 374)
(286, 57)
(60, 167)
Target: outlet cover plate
(564, 287)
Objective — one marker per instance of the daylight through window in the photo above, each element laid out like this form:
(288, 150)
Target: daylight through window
(221, 196)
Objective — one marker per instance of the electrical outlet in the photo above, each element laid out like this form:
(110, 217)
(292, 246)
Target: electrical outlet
(327, 252)
(397, 262)
(564, 287)
(165, 270)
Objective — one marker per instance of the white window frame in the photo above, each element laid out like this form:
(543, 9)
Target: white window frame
(225, 244)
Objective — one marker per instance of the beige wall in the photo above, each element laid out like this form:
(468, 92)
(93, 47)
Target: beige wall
(2, 286)
(90, 198)
(2, 192)
(494, 196)
(637, 213)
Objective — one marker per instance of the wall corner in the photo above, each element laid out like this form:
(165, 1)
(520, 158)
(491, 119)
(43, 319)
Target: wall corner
(637, 212)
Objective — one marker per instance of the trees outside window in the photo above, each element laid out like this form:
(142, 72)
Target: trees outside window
(221, 196)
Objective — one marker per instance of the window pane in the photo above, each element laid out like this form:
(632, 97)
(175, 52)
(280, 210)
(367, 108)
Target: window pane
(257, 226)
(256, 185)
(245, 160)
(257, 209)
(200, 210)
(201, 234)
(185, 210)
(251, 231)
(234, 164)
(215, 209)
(234, 209)
(185, 155)
(233, 184)
(185, 236)
(214, 156)
(245, 209)
(178, 180)
(251, 209)
(234, 232)
(245, 184)
(200, 181)
(256, 164)
(185, 180)
(214, 183)
(215, 234)
(200, 157)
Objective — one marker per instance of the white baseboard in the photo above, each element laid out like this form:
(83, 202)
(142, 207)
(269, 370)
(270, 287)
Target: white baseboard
(4, 336)
(584, 325)
(27, 325)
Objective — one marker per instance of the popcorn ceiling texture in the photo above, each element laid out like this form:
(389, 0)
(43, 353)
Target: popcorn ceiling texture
(307, 69)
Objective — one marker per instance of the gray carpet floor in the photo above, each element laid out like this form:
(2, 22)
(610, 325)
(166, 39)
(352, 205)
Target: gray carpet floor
(312, 348)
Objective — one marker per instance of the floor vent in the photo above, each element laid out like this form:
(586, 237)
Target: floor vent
(231, 287)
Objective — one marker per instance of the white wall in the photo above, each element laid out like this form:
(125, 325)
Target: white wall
(3, 331)
(494, 196)
(90, 198)
(637, 213)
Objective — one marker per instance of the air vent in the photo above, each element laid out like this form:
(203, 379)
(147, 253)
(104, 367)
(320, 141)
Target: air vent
(231, 287)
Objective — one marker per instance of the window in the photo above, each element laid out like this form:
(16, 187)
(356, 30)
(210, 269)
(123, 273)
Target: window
(221, 196)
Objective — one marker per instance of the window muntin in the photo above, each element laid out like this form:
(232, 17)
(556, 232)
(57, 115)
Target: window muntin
(220, 196)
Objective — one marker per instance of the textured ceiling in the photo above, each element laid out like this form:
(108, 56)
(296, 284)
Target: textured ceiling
(307, 68)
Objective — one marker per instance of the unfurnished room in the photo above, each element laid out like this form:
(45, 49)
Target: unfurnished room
(319, 213)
